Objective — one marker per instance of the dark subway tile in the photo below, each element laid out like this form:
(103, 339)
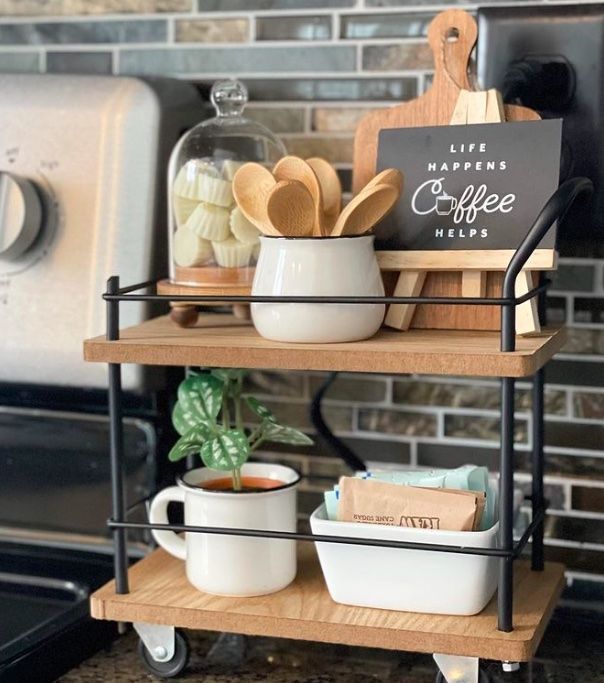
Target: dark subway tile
(327, 89)
(379, 450)
(575, 435)
(556, 309)
(481, 427)
(38, 8)
(236, 30)
(250, 5)
(275, 383)
(399, 57)
(588, 404)
(580, 529)
(574, 465)
(584, 341)
(397, 422)
(293, 28)
(19, 62)
(339, 119)
(446, 456)
(575, 372)
(405, 3)
(576, 559)
(407, 25)
(361, 388)
(573, 278)
(63, 33)
(279, 119)
(334, 149)
(416, 392)
(238, 59)
(589, 310)
(587, 499)
(79, 62)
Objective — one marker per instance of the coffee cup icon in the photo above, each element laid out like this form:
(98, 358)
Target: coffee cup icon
(445, 204)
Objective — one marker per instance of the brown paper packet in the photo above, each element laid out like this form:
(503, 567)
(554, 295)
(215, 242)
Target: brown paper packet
(375, 502)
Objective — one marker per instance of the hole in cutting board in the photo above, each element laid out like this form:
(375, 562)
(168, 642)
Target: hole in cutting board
(452, 35)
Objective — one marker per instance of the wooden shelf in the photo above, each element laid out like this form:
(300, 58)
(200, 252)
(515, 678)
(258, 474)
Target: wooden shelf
(224, 341)
(161, 594)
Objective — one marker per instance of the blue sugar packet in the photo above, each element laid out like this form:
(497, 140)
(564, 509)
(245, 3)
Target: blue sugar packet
(465, 478)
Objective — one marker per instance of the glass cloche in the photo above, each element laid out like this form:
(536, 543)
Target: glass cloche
(212, 244)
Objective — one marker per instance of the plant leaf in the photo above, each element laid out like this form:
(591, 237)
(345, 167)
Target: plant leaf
(227, 451)
(259, 409)
(183, 420)
(281, 434)
(201, 396)
(189, 443)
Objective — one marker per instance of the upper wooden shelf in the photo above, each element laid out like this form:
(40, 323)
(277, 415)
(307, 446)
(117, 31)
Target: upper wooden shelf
(161, 594)
(224, 341)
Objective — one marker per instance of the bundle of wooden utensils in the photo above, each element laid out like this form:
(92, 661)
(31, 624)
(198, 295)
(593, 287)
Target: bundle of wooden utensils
(303, 198)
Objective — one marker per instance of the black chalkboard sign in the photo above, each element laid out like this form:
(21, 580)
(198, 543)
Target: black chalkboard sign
(477, 187)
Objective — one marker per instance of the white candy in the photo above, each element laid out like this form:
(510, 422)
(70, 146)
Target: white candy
(190, 179)
(189, 250)
(232, 254)
(229, 168)
(210, 222)
(215, 191)
(183, 208)
(242, 229)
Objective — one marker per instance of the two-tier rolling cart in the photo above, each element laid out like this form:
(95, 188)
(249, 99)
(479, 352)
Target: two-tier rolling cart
(154, 594)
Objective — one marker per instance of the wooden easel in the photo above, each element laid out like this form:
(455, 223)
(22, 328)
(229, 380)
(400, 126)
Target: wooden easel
(452, 36)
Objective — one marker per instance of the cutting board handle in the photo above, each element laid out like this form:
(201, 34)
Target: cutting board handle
(452, 36)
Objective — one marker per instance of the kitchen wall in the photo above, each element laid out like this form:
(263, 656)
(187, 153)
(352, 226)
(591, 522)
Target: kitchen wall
(313, 67)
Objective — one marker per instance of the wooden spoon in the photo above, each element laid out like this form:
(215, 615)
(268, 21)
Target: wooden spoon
(365, 210)
(252, 184)
(330, 184)
(389, 176)
(291, 209)
(294, 168)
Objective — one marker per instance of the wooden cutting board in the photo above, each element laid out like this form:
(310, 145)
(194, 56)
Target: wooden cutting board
(452, 36)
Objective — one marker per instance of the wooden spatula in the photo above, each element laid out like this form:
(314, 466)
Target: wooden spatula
(252, 184)
(294, 168)
(365, 210)
(291, 209)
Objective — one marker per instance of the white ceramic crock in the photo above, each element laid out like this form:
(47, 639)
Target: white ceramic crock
(231, 565)
(407, 580)
(320, 266)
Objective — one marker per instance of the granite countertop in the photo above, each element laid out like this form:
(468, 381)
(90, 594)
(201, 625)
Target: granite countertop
(572, 651)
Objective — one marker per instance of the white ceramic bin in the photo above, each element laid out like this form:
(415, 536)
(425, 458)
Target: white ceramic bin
(406, 580)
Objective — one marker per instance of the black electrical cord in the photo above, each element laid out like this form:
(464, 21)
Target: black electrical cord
(333, 443)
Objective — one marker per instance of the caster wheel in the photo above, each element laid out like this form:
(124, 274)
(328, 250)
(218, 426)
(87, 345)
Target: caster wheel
(482, 677)
(174, 666)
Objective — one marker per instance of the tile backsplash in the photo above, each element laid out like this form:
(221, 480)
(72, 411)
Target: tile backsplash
(313, 68)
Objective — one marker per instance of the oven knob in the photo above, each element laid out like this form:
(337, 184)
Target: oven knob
(20, 215)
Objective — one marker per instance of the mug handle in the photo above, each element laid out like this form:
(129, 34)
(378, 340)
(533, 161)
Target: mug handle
(158, 514)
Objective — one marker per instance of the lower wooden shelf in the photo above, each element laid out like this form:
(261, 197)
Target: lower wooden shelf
(161, 594)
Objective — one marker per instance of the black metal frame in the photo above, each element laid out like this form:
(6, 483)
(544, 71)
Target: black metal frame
(507, 551)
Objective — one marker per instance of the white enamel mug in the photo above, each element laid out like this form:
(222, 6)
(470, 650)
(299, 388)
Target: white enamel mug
(232, 565)
(320, 266)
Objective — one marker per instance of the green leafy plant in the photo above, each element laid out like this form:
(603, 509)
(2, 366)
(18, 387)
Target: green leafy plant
(209, 418)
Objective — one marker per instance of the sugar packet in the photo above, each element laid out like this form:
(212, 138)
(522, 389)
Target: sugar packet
(374, 502)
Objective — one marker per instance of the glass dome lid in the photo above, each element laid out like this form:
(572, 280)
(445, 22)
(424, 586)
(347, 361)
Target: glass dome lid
(229, 135)
(211, 242)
